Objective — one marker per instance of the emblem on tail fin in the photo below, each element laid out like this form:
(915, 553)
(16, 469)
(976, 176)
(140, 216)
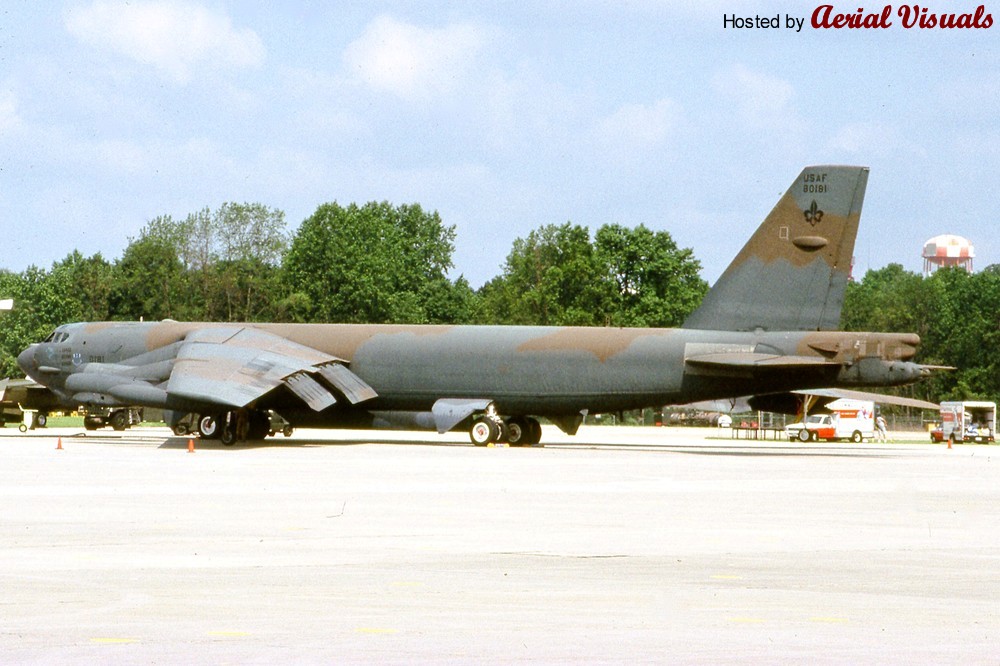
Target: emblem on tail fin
(814, 215)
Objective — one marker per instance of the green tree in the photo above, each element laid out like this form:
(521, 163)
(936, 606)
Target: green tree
(18, 327)
(964, 332)
(372, 263)
(75, 289)
(624, 277)
(956, 314)
(888, 299)
(150, 281)
(654, 282)
(219, 266)
(552, 277)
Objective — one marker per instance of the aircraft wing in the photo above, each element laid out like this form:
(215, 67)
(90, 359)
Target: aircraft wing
(27, 393)
(791, 402)
(880, 398)
(236, 366)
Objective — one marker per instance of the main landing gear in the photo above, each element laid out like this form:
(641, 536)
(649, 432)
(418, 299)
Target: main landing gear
(490, 428)
(238, 425)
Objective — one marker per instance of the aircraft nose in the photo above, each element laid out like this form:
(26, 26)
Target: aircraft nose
(26, 360)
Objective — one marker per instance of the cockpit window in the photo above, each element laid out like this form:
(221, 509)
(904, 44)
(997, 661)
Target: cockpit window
(57, 336)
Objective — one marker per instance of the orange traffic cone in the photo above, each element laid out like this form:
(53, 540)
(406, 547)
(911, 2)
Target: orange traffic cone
(59, 444)
(191, 445)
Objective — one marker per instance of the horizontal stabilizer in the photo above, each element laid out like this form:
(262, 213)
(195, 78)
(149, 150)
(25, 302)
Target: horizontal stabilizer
(353, 387)
(752, 360)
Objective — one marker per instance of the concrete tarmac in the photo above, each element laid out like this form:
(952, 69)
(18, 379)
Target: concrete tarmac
(618, 545)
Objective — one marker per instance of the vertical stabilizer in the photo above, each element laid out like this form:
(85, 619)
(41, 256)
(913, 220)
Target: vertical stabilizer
(792, 274)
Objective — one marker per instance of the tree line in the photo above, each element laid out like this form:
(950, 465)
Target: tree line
(371, 263)
(956, 314)
(380, 263)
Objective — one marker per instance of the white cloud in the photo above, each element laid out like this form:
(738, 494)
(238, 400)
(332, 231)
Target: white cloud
(758, 108)
(874, 139)
(9, 118)
(758, 96)
(410, 61)
(176, 37)
(637, 127)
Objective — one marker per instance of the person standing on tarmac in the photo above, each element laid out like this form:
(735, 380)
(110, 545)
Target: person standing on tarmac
(880, 429)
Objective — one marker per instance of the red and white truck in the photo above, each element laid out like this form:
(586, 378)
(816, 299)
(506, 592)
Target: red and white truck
(847, 419)
(968, 421)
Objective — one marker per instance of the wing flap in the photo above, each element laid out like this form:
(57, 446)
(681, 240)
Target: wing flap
(353, 387)
(312, 392)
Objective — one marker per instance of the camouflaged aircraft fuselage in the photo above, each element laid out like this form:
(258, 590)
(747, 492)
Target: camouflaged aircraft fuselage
(524, 370)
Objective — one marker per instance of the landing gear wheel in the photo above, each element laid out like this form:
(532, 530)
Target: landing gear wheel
(208, 427)
(180, 429)
(503, 434)
(484, 431)
(534, 432)
(41, 420)
(259, 425)
(228, 435)
(523, 431)
(517, 431)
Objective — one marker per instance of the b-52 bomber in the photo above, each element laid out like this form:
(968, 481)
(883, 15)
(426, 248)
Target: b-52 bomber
(765, 329)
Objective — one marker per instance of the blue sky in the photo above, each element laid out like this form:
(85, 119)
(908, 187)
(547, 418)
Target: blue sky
(501, 116)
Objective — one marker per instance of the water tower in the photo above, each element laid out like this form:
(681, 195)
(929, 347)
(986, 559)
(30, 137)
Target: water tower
(948, 250)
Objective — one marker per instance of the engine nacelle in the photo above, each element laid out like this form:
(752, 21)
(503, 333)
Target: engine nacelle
(877, 372)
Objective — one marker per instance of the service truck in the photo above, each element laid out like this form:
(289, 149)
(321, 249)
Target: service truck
(969, 421)
(847, 419)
